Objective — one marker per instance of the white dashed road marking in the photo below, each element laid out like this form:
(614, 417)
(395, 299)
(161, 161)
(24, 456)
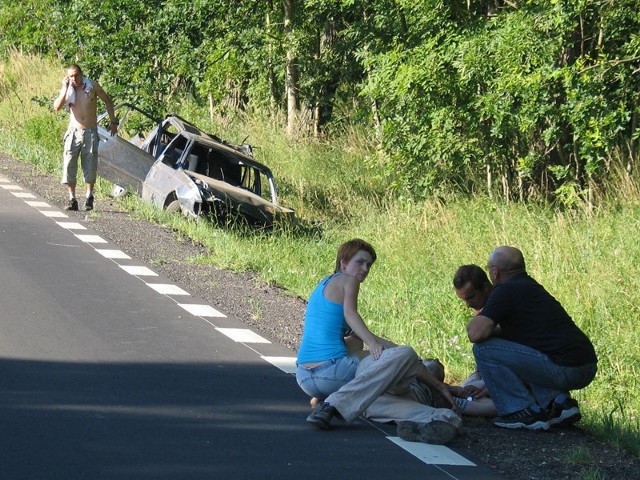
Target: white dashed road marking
(202, 310)
(242, 335)
(432, 454)
(113, 254)
(91, 238)
(24, 194)
(167, 289)
(72, 225)
(138, 271)
(286, 364)
(38, 204)
(53, 214)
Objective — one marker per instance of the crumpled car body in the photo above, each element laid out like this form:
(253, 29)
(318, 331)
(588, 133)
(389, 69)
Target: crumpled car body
(178, 167)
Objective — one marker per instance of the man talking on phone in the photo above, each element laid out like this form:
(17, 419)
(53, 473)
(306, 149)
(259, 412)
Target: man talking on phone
(79, 94)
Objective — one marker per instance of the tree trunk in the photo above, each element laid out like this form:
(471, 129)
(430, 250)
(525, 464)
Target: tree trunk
(377, 123)
(293, 103)
(632, 141)
(324, 102)
(317, 113)
(273, 88)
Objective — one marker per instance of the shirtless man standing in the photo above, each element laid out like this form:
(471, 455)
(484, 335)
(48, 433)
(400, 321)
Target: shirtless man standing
(79, 95)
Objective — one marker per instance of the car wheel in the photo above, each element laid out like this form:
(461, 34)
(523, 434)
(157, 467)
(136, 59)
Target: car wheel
(174, 207)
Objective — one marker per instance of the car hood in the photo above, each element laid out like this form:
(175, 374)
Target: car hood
(240, 196)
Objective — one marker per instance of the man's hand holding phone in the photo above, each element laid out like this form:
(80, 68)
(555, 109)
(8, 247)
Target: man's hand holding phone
(65, 84)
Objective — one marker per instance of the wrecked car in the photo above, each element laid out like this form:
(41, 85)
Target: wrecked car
(178, 167)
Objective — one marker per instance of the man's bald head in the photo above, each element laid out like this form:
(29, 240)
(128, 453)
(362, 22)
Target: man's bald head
(505, 262)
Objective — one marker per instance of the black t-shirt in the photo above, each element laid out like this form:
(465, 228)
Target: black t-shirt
(529, 315)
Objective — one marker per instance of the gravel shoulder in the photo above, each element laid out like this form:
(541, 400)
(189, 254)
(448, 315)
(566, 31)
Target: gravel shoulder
(567, 453)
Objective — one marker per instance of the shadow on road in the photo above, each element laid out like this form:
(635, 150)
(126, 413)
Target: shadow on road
(136, 420)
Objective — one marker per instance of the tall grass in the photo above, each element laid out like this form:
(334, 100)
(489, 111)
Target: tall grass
(587, 259)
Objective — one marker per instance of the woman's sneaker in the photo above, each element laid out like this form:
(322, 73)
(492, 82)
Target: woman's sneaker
(322, 415)
(527, 419)
(563, 414)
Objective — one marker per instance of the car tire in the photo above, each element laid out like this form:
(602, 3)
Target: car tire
(174, 207)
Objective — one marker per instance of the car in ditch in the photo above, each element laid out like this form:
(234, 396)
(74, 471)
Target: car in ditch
(178, 167)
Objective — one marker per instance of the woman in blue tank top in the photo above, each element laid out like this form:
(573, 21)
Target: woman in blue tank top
(334, 332)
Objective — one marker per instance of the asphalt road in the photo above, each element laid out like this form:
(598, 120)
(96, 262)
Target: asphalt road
(109, 371)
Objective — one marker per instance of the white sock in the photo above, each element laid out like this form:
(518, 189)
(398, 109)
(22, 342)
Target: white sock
(89, 194)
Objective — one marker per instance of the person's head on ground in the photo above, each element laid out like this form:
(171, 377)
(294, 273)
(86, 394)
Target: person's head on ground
(355, 258)
(504, 263)
(472, 286)
(74, 75)
(435, 367)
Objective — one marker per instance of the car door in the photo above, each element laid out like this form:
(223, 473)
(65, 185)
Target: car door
(121, 162)
(165, 181)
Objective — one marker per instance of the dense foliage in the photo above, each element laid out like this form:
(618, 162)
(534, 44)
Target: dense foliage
(523, 98)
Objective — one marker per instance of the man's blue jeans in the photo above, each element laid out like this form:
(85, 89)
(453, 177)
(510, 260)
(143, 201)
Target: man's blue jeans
(520, 377)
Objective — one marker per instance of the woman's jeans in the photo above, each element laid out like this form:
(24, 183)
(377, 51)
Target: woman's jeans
(520, 377)
(324, 379)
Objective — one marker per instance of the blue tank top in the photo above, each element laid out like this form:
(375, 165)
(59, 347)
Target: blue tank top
(324, 328)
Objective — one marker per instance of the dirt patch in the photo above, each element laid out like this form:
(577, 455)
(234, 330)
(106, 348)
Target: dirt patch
(558, 454)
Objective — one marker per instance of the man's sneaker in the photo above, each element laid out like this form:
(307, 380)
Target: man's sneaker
(73, 204)
(88, 203)
(563, 414)
(322, 415)
(435, 432)
(526, 418)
